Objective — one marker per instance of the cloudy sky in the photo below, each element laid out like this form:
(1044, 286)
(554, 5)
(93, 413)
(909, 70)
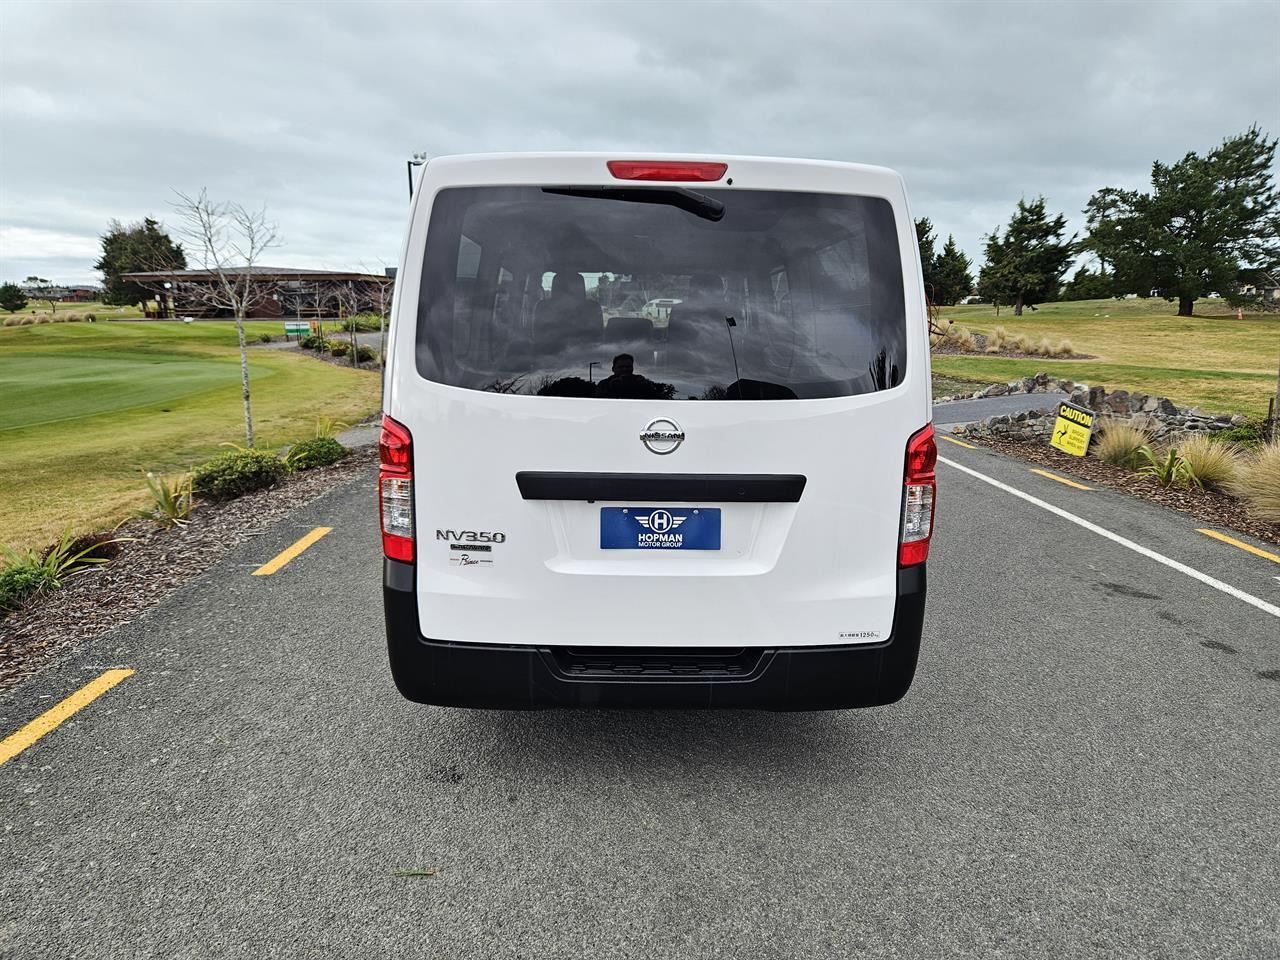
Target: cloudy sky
(313, 107)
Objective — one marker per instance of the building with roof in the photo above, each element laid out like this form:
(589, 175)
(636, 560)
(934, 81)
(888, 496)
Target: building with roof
(274, 292)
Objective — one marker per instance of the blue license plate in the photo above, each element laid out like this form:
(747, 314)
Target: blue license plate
(659, 528)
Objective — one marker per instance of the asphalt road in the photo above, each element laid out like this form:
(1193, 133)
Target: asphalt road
(1087, 766)
(966, 411)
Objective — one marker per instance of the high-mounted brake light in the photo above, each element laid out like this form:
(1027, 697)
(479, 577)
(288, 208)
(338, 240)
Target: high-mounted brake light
(395, 490)
(669, 170)
(919, 487)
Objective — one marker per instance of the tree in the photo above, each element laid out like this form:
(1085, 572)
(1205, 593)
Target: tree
(1206, 222)
(43, 290)
(12, 298)
(142, 247)
(1025, 266)
(925, 238)
(951, 277)
(228, 241)
(1087, 285)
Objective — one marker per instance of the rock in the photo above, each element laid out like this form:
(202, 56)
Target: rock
(1042, 379)
(1066, 386)
(996, 390)
(1118, 402)
(1136, 401)
(1097, 395)
(1150, 405)
(1166, 407)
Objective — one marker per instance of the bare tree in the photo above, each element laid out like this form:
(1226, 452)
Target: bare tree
(351, 301)
(228, 241)
(383, 295)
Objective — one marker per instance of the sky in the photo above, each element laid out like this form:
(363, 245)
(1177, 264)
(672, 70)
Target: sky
(312, 108)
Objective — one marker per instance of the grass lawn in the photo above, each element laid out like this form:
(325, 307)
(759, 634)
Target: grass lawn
(87, 407)
(1212, 361)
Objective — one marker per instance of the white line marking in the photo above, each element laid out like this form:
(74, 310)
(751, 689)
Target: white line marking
(1124, 542)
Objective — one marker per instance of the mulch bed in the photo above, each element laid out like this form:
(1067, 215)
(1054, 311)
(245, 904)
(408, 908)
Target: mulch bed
(153, 566)
(1215, 509)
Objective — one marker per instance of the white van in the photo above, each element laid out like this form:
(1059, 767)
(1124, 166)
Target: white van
(580, 508)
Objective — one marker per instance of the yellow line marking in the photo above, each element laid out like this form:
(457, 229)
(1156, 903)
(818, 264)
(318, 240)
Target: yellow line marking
(52, 718)
(289, 553)
(1069, 483)
(1241, 544)
(958, 443)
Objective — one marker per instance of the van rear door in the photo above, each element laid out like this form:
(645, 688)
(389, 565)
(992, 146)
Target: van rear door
(592, 471)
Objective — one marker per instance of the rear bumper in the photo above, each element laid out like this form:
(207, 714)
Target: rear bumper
(495, 676)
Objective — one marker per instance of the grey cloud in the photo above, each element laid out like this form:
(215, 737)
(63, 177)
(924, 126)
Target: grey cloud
(312, 108)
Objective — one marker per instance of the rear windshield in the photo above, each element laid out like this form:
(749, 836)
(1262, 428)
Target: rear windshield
(661, 293)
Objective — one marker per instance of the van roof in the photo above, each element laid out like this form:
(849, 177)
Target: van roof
(745, 171)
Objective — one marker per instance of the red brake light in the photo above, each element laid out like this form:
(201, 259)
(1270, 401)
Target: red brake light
(667, 170)
(394, 446)
(395, 490)
(918, 495)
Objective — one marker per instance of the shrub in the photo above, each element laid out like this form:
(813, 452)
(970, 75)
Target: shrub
(338, 349)
(171, 503)
(28, 573)
(366, 354)
(18, 583)
(363, 322)
(1215, 465)
(313, 341)
(1169, 468)
(1258, 482)
(329, 427)
(1065, 347)
(1119, 443)
(1247, 434)
(237, 472)
(91, 317)
(315, 452)
(265, 337)
(1020, 344)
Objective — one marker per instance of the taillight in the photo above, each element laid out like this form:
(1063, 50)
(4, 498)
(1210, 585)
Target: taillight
(395, 490)
(920, 485)
(676, 170)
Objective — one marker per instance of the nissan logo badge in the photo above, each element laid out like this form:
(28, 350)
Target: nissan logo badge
(662, 436)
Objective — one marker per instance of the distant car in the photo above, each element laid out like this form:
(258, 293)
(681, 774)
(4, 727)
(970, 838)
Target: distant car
(659, 310)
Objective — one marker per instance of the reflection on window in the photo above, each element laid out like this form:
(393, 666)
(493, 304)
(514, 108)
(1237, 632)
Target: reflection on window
(787, 296)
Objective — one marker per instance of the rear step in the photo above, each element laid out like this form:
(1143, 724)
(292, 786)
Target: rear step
(640, 663)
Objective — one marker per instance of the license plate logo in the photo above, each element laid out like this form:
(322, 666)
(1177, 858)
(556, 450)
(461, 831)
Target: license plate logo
(659, 528)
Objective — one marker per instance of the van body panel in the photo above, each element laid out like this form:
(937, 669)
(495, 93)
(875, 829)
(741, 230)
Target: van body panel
(493, 567)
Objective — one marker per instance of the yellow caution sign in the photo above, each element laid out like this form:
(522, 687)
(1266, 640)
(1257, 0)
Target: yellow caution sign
(1072, 429)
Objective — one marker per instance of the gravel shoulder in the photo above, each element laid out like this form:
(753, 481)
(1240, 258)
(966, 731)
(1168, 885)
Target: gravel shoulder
(1216, 509)
(149, 569)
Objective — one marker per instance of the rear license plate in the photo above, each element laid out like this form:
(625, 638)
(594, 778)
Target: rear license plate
(659, 528)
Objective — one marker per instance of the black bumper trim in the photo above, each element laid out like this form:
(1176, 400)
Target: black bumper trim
(663, 487)
(498, 676)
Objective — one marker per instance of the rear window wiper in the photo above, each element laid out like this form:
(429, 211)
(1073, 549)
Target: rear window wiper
(699, 204)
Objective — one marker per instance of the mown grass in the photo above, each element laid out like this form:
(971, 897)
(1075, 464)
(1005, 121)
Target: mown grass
(87, 407)
(99, 310)
(1215, 362)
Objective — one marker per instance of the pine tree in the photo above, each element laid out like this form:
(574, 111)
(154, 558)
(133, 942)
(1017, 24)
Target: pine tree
(928, 260)
(951, 277)
(1025, 266)
(12, 298)
(1204, 222)
(135, 248)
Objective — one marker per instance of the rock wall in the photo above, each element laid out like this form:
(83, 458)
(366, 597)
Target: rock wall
(1159, 414)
